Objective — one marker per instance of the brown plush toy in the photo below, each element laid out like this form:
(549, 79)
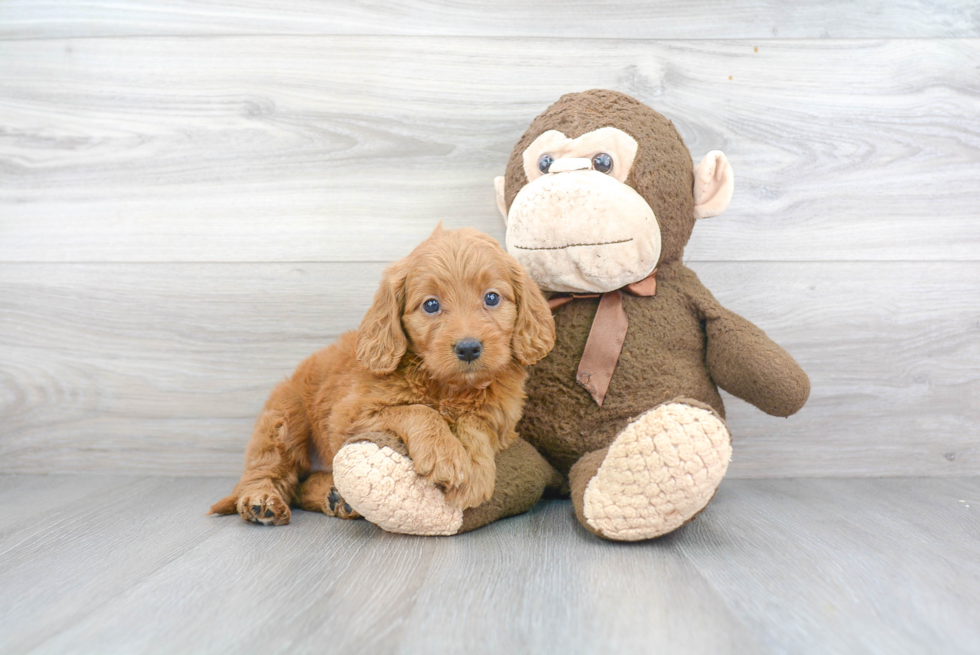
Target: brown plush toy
(600, 199)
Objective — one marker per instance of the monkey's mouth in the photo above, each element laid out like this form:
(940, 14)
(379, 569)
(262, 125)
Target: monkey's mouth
(575, 245)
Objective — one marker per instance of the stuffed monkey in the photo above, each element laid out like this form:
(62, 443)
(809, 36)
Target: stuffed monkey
(600, 199)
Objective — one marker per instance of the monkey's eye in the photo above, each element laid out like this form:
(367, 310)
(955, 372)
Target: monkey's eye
(492, 299)
(602, 162)
(545, 162)
(431, 306)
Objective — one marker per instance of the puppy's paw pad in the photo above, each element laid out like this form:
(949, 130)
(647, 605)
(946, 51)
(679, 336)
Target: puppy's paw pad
(661, 470)
(264, 509)
(383, 487)
(337, 506)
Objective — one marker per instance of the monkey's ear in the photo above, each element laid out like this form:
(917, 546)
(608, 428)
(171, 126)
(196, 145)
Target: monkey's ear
(534, 328)
(498, 184)
(381, 341)
(714, 183)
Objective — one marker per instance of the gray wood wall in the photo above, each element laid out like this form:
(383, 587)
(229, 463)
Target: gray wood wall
(195, 195)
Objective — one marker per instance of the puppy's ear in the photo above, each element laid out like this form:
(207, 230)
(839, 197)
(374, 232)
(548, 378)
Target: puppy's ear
(381, 341)
(534, 329)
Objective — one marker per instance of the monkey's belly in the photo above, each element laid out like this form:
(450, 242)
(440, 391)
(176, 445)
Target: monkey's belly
(662, 359)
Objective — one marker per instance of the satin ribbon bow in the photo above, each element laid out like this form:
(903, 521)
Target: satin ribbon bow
(607, 335)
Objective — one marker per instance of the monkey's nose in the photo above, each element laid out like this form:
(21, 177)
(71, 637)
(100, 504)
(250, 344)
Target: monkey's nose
(565, 164)
(468, 349)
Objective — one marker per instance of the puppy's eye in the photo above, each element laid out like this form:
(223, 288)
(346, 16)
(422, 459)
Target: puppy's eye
(545, 162)
(431, 306)
(602, 162)
(492, 299)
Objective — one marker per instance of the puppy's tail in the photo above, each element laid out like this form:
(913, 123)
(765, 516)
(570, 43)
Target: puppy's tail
(227, 505)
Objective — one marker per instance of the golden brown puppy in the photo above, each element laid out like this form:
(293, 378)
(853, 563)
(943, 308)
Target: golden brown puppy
(438, 361)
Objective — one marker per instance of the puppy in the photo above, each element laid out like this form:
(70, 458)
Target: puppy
(438, 362)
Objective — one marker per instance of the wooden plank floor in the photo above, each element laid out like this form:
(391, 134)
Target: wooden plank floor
(127, 565)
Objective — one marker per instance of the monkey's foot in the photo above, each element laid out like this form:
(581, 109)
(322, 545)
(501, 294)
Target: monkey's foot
(657, 475)
(378, 480)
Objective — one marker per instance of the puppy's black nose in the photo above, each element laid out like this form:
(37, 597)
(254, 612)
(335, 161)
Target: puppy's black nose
(468, 349)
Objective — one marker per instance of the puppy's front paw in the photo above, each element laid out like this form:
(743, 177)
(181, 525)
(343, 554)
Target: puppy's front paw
(476, 490)
(444, 462)
(263, 508)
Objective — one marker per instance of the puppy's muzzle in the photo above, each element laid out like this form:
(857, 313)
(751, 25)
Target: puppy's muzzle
(468, 350)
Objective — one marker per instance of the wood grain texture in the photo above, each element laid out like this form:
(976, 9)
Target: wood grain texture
(846, 566)
(578, 595)
(87, 551)
(161, 368)
(41, 502)
(772, 566)
(672, 19)
(351, 148)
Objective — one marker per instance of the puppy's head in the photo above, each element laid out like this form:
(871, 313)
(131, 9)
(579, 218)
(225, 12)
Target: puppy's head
(462, 305)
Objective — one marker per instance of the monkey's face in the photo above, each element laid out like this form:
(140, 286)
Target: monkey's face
(577, 226)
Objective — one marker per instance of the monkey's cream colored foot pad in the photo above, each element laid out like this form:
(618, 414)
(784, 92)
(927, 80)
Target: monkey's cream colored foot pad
(383, 487)
(659, 472)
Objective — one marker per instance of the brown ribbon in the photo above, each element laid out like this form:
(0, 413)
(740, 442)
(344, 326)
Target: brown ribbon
(608, 333)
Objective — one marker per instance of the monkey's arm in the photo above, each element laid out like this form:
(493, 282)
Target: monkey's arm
(746, 363)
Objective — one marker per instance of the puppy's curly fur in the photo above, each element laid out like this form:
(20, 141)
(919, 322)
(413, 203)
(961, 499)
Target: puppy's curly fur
(399, 373)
